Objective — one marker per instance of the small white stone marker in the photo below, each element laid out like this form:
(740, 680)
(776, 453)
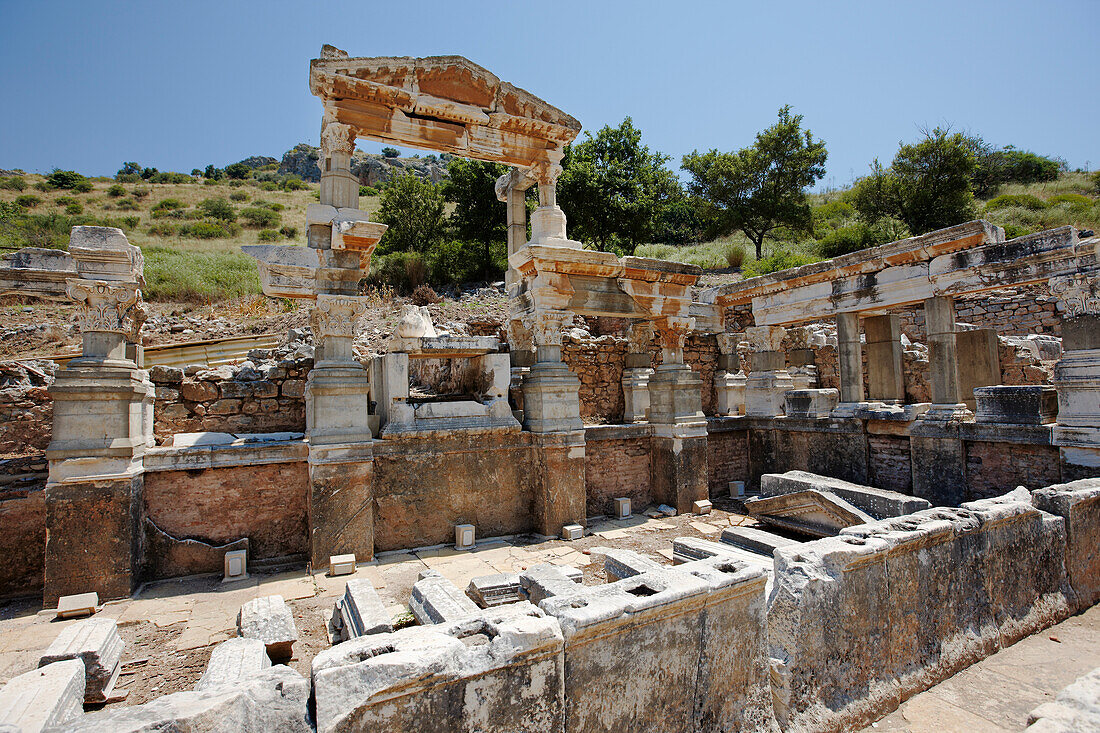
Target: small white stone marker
(572, 532)
(737, 489)
(703, 506)
(464, 536)
(236, 565)
(82, 604)
(622, 508)
(341, 564)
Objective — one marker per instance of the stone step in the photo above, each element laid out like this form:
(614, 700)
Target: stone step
(754, 540)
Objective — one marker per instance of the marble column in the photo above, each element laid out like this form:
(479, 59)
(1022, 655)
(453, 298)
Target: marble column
(849, 357)
(939, 324)
(884, 359)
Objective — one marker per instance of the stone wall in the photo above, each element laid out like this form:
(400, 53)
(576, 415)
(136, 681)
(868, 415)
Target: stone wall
(26, 410)
(22, 540)
(890, 463)
(995, 468)
(598, 363)
(727, 459)
(616, 464)
(701, 354)
(1011, 312)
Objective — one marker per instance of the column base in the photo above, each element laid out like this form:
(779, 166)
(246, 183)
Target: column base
(947, 413)
(938, 462)
(341, 503)
(551, 399)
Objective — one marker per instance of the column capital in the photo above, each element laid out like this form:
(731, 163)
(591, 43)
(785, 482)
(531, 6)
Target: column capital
(336, 137)
(105, 306)
(546, 327)
(672, 331)
(640, 336)
(765, 338)
(335, 315)
(1080, 292)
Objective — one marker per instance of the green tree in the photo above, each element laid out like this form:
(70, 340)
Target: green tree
(615, 190)
(413, 210)
(478, 217)
(928, 186)
(64, 179)
(217, 208)
(390, 152)
(214, 174)
(762, 188)
(238, 171)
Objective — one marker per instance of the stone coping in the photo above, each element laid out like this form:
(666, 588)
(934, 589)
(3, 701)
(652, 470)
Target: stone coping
(623, 431)
(239, 452)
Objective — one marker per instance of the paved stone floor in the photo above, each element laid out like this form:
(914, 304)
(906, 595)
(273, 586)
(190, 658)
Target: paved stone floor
(997, 693)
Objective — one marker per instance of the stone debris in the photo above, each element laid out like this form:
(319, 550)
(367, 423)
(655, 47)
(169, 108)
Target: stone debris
(495, 590)
(545, 581)
(879, 503)
(234, 661)
(703, 506)
(809, 512)
(43, 698)
(81, 604)
(274, 699)
(436, 600)
(666, 510)
(360, 611)
(619, 564)
(755, 540)
(269, 620)
(1077, 708)
(572, 532)
(96, 643)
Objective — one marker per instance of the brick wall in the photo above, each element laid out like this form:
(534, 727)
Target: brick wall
(22, 540)
(1011, 312)
(267, 503)
(599, 364)
(890, 465)
(616, 468)
(727, 460)
(994, 468)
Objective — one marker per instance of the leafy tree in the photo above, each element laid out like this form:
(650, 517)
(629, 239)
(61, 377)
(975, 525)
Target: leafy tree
(995, 166)
(238, 171)
(130, 169)
(413, 210)
(928, 186)
(390, 152)
(478, 216)
(212, 173)
(148, 173)
(614, 190)
(762, 188)
(64, 179)
(217, 208)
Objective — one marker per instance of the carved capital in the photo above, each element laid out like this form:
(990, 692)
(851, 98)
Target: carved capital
(520, 335)
(337, 137)
(765, 338)
(546, 174)
(547, 326)
(1080, 292)
(727, 342)
(335, 315)
(105, 306)
(640, 337)
(672, 331)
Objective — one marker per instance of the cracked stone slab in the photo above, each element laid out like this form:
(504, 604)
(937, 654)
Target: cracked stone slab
(810, 512)
(234, 661)
(436, 600)
(43, 698)
(95, 642)
(269, 619)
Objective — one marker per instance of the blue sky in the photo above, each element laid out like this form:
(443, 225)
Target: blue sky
(88, 85)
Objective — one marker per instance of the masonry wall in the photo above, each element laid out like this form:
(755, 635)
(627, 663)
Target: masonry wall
(993, 469)
(22, 540)
(1011, 312)
(727, 459)
(615, 467)
(889, 462)
(598, 363)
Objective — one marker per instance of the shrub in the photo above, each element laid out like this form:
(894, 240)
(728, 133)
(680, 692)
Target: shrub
(127, 205)
(217, 208)
(210, 182)
(777, 260)
(1015, 230)
(403, 271)
(1074, 199)
(1023, 200)
(163, 229)
(846, 239)
(424, 295)
(74, 208)
(43, 186)
(238, 196)
(269, 186)
(64, 179)
(129, 222)
(735, 255)
(166, 177)
(64, 200)
(116, 190)
(1095, 179)
(213, 173)
(390, 152)
(268, 205)
(238, 171)
(140, 193)
(368, 191)
(294, 183)
(164, 204)
(268, 235)
(257, 216)
(128, 177)
(210, 230)
(27, 201)
(289, 232)
(83, 186)
(15, 183)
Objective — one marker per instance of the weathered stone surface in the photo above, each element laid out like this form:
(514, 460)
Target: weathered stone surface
(810, 402)
(879, 503)
(494, 590)
(360, 611)
(269, 620)
(1078, 503)
(43, 698)
(234, 661)
(1016, 405)
(500, 670)
(1077, 708)
(436, 600)
(811, 512)
(272, 700)
(619, 564)
(545, 581)
(96, 642)
(755, 540)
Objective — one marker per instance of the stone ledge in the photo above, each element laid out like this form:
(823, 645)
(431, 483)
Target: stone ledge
(225, 455)
(623, 431)
(1007, 433)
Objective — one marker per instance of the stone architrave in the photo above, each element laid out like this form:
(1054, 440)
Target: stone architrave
(811, 512)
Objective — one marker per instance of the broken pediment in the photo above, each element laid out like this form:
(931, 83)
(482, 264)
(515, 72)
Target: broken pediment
(443, 103)
(811, 512)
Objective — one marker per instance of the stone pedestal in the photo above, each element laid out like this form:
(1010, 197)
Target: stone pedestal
(729, 389)
(979, 363)
(559, 481)
(939, 320)
(341, 505)
(884, 359)
(551, 399)
(939, 462)
(1077, 379)
(636, 394)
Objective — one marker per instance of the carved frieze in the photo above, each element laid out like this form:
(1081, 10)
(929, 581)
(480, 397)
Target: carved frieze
(1080, 293)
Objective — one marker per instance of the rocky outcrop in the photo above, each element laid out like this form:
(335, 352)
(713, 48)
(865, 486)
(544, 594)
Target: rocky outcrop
(304, 160)
(258, 161)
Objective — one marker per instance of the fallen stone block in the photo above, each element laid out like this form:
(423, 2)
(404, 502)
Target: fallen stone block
(43, 698)
(703, 506)
(500, 670)
(759, 541)
(1078, 503)
(879, 503)
(495, 590)
(619, 564)
(272, 700)
(572, 532)
(269, 620)
(341, 564)
(96, 643)
(1076, 708)
(360, 611)
(81, 604)
(436, 599)
(546, 581)
(234, 661)
(813, 513)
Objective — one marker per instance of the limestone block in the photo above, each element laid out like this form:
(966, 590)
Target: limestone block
(756, 540)
(572, 532)
(464, 536)
(546, 581)
(1016, 405)
(619, 564)
(49, 696)
(1076, 708)
(1077, 379)
(360, 611)
(703, 506)
(729, 389)
(764, 393)
(810, 512)
(103, 253)
(622, 507)
(737, 489)
(341, 564)
(500, 670)
(286, 271)
(810, 402)
(232, 662)
(879, 503)
(236, 565)
(1078, 503)
(495, 590)
(272, 700)
(95, 642)
(436, 600)
(81, 604)
(269, 620)
(690, 549)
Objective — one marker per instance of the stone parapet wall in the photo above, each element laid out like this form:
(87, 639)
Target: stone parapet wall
(890, 463)
(617, 464)
(727, 459)
(22, 539)
(992, 468)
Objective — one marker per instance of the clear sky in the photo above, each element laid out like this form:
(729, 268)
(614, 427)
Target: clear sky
(176, 85)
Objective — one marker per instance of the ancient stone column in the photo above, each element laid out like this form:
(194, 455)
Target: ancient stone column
(339, 433)
(939, 324)
(729, 382)
(551, 393)
(548, 220)
(849, 357)
(768, 380)
(637, 372)
(511, 188)
(339, 187)
(101, 429)
(679, 455)
(885, 376)
(1077, 376)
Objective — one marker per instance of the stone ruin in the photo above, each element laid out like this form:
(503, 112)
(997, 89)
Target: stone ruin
(756, 631)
